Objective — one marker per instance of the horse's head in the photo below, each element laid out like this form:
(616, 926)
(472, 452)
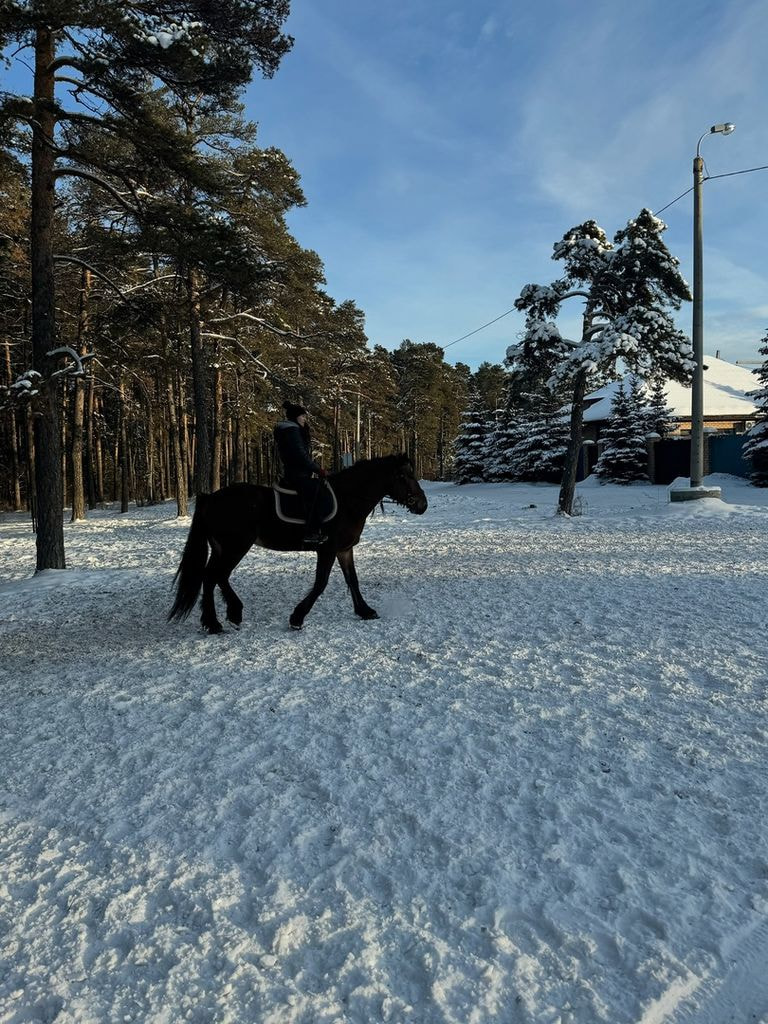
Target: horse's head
(404, 488)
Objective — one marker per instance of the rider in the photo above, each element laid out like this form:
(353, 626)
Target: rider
(293, 442)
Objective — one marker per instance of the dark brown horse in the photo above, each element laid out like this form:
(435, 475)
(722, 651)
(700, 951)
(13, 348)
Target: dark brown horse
(230, 521)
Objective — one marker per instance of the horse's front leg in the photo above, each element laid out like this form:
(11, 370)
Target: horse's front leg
(323, 571)
(347, 563)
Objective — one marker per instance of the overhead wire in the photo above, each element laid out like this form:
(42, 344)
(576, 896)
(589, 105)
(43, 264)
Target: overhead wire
(479, 329)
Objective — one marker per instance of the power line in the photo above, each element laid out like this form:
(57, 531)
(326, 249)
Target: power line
(731, 174)
(657, 212)
(711, 177)
(479, 329)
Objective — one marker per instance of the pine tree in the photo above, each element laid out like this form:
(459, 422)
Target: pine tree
(471, 446)
(756, 445)
(624, 458)
(120, 56)
(630, 287)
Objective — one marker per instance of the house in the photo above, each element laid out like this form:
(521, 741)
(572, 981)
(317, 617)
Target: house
(727, 411)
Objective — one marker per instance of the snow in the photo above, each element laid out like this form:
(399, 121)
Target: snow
(533, 791)
(725, 393)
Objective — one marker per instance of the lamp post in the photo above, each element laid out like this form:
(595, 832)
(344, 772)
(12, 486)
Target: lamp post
(697, 393)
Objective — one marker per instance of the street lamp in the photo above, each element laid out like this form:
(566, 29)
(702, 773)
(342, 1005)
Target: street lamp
(697, 393)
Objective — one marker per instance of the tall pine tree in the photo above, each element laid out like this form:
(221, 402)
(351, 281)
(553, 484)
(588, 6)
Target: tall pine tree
(110, 57)
(630, 287)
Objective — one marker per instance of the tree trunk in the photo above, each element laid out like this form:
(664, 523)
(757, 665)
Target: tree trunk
(123, 446)
(568, 483)
(89, 438)
(48, 476)
(99, 452)
(14, 491)
(179, 464)
(30, 421)
(78, 412)
(218, 433)
(200, 389)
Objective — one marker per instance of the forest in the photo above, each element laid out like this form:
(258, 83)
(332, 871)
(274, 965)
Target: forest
(157, 310)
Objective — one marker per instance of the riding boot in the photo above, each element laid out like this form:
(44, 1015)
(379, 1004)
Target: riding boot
(308, 489)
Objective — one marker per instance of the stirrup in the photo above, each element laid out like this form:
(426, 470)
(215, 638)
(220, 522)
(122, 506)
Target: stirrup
(315, 538)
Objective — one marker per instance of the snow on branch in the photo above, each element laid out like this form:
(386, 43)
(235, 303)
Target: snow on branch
(69, 371)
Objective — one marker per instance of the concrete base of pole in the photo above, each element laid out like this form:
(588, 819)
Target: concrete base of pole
(693, 493)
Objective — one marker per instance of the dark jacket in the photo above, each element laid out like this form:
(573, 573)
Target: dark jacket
(293, 450)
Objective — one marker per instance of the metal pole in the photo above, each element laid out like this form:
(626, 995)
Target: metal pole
(697, 391)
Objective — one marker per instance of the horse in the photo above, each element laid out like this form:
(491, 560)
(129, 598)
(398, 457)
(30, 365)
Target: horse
(231, 520)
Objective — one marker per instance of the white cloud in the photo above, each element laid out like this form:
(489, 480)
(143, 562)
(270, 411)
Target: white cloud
(606, 120)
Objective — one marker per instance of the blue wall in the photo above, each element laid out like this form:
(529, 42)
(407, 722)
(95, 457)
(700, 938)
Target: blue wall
(725, 455)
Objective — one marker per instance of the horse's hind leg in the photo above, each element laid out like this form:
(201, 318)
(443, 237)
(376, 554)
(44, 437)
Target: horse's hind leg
(229, 562)
(208, 618)
(323, 571)
(347, 563)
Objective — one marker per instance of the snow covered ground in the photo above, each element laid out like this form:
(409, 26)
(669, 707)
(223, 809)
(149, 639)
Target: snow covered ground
(534, 791)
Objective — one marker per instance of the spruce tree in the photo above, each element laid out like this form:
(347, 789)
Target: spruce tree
(471, 446)
(756, 444)
(659, 418)
(501, 444)
(624, 458)
(539, 454)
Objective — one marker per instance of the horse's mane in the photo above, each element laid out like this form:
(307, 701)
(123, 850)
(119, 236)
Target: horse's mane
(372, 467)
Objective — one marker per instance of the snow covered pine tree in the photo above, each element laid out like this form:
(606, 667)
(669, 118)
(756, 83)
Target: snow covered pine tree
(624, 458)
(471, 446)
(629, 288)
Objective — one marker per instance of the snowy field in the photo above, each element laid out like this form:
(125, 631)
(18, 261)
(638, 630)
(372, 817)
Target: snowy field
(534, 791)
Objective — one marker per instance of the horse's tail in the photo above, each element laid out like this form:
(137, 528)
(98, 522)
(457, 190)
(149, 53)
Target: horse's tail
(189, 576)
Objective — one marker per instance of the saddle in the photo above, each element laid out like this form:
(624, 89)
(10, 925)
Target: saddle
(289, 506)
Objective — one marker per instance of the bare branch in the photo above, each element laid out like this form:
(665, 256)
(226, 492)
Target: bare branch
(75, 172)
(93, 270)
(72, 81)
(152, 280)
(262, 323)
(66, 62)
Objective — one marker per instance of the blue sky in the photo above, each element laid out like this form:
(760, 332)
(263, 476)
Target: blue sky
(444, 147)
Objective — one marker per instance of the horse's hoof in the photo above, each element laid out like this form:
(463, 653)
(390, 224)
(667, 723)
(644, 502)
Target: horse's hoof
(214, 630)
(369, 614)
(297, 626)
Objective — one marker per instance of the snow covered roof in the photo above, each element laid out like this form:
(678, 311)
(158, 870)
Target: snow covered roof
(725, 388)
